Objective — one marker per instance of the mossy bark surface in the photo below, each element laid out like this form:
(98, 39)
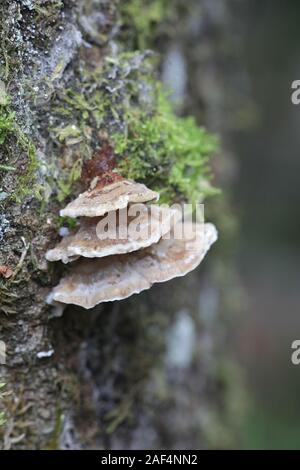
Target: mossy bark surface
(77, 77)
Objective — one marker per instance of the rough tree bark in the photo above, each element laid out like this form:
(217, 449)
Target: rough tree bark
(113, 377)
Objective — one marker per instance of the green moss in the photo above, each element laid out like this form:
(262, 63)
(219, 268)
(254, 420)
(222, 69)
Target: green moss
(67, 132)
(69, 222)
(10, 129)
(87, 108)
(167, 152)
(7, 117)
(2, 414)
(7, 168)
(153, 145)
(7, 120)
(140, 17)
(27, 182)
(65, 185)
(49, 10)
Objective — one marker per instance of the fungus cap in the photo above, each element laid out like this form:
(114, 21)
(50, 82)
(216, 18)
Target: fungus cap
(99, 200)
(151, 224)
(120, 276)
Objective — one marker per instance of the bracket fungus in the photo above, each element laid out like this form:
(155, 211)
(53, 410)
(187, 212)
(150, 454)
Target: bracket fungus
(88, 241)
(101, 199)
(117, 277)
(107, 265)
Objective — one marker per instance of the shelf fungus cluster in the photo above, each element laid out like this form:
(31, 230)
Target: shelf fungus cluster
(124, 245)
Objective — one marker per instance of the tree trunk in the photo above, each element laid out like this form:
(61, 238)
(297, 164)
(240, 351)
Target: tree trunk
(146, 372)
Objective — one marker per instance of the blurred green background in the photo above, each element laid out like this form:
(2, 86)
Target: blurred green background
(265, 198)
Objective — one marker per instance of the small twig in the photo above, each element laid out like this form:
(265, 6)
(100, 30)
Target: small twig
(21, 260)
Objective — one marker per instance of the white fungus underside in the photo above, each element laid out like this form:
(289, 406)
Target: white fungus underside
(118, 277)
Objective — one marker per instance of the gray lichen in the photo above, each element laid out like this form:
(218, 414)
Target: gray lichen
(4, 227)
